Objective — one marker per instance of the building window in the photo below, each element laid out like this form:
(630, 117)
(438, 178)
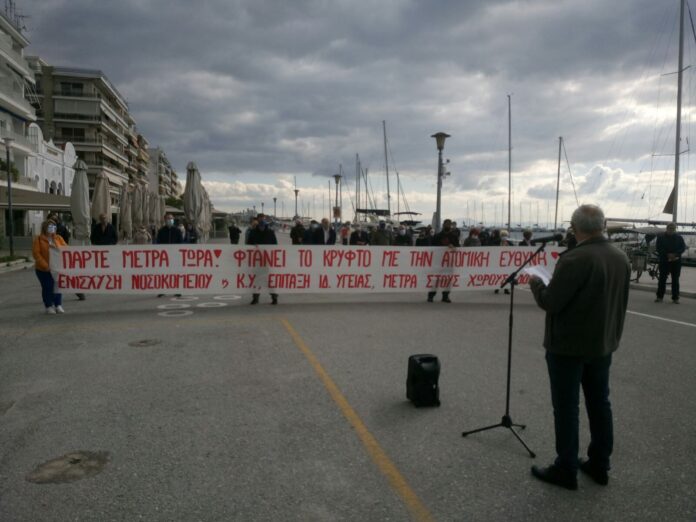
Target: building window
(71, 89)
(71, 134)
(53, 189)
(46, 186)
(60, 189)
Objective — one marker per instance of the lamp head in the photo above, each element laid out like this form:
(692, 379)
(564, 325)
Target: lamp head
(337, 177)
(440, 138)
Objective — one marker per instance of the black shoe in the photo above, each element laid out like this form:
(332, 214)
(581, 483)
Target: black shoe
(255, 300)
(556, 476)
(160, 295)
(430, 297)
(675, 301)
(81, 297)
(177, 295)
(658, 299)
(600, 476)
(274, 299)
(496, 291)
(446, 299)
(507, 291)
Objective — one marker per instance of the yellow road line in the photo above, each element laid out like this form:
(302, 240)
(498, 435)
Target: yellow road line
(378, 455)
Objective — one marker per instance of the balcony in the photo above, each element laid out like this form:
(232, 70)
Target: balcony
(15, 58)
(12, 94)
(27, 143)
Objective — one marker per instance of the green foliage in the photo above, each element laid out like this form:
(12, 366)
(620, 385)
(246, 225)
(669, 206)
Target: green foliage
(175, 202)
(13, 170)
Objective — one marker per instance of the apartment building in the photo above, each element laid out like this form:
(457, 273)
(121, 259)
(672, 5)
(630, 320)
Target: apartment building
(162, 175)
(83, 107)
(41, 172)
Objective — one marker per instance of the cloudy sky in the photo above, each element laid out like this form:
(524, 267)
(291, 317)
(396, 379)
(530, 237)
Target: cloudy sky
(258, 92)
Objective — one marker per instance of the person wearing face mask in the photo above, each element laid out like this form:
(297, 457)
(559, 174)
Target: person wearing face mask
(169, 233)
(262, 235)
(324, 235)
(402, 238)
(103, 232)
(345, 233)
(309, 233)
(41, 248)
(359, 236)
(380, 236)
(447, 238)
(424, 239)
(473, 239)
(297, 233)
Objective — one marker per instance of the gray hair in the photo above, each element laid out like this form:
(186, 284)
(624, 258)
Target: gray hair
(588, 219)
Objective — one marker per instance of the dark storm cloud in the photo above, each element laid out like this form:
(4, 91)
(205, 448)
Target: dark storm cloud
(282, 87)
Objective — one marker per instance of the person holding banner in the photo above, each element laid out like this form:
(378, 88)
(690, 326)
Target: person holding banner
(262, 235)
(324, 235)
(585, 304)
(41, 250)
(359, 236)
(447, 238)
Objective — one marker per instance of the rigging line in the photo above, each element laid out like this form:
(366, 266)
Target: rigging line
(571, 174)
(693, 30)
(651, 57)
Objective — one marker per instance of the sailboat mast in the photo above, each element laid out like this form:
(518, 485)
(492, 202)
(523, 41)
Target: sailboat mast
(509, 162)
(677, 146)
(386, 166)
(558, 184)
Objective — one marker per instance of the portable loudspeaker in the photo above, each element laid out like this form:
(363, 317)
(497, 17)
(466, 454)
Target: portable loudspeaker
(422, 380)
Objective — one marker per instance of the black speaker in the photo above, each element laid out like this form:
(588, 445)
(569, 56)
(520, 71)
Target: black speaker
(422, 380)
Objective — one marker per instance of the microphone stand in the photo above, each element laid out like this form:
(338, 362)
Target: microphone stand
(506, 421)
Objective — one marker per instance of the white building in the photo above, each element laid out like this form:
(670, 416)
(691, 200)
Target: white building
(36, 168)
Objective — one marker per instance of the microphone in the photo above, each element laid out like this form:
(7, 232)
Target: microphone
(555, 237)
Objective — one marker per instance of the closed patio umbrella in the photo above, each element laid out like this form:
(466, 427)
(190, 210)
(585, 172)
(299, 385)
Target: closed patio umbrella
(125, 219)
(79, 205)
(101, 199)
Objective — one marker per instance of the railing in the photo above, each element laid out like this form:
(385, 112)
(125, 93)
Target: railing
(6, 46)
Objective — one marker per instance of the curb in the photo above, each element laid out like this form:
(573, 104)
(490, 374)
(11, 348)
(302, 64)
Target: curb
(12, 266)
(653, 289)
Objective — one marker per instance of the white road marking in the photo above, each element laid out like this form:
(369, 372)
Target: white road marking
(175, 313)
(173, 306)
(662, 318)
(210, 305)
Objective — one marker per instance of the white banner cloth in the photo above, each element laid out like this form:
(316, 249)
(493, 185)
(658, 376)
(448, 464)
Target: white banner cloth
(220, 269)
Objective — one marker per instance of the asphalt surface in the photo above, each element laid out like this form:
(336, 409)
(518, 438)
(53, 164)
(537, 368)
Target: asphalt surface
(221, 415)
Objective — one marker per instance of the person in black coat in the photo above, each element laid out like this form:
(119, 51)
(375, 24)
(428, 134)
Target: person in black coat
(235, 233)
(669, 247)
(169, 233)
(308, 238)
(447, 238)
(324, 235)
(262, 234)
(103, 233)
(297, 233)
(359, 237)
(402, 237)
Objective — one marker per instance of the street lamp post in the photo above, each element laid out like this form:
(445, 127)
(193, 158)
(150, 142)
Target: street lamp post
(8, 144)
(297, 191)
(440, 138)
(262, 203)
(274, 207)
(337, 178)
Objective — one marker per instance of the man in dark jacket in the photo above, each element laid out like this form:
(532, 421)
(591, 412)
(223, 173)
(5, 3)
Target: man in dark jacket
(262, 234)
(585, 305)
(169, 233)
(669, 247)
(325, 234)
(235, 233)
(359, 236)
(447, 238)
(297, 233)
(103, 233)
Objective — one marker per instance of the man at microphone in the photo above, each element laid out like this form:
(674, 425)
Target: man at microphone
(585, 305)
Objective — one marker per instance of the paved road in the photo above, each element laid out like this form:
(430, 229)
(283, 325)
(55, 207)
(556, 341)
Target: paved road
(298, 412)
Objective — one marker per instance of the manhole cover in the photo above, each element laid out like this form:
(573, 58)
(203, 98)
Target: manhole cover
(144, 342)
(70, 467)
